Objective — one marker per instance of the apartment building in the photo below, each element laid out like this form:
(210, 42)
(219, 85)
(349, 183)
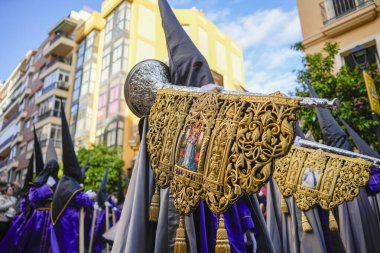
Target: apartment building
(33, 93)
(83, 63)
(127, 32)
(351, 23)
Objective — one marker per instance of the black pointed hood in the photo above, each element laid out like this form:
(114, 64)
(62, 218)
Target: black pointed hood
(187, 65)
(84, 168)
(102, 193)
(69, 184)
(38, 153)
(51, 167)
(71, 166)
(28, 176)
(120, 192)
(363, 147)
(333, 134)
(51, 154)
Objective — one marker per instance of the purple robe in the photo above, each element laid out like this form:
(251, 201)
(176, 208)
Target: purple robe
(65, 233)
(237, 220)
(374, 181)
(11, 240)
(35, 236)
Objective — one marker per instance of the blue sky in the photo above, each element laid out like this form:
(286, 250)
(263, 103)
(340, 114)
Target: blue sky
(265, 30)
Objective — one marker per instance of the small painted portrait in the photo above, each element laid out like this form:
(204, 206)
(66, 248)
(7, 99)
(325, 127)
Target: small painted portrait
(310, 177)
(191, 143)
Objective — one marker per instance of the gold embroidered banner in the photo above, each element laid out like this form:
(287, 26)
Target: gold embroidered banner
(314, 176)
(216, 146)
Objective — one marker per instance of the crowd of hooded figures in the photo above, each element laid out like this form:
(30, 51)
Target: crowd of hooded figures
(47, 215)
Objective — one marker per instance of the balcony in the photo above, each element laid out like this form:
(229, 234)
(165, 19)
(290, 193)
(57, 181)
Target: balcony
(6, 142)
(340, 16)
(4, 163)
(56, 143)
(61, 45)
(56, 85)
(10, 120)
(58, 63)
(50, 113)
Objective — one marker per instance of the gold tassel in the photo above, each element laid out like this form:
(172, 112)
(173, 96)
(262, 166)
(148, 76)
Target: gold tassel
(306, 227)
(222, 243)
(333, 225)
(284, 206)
(154, 208)
(180, 237)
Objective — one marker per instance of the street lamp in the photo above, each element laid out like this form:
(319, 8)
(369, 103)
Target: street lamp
(360, 56)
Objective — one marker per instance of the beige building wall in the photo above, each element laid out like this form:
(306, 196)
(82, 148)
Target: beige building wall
(321, 22)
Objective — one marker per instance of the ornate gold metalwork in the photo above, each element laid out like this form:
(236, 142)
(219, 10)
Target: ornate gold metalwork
(216, 146)
(314, 177)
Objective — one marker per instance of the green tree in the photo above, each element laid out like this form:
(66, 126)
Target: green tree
(347, 85)
(101, 156)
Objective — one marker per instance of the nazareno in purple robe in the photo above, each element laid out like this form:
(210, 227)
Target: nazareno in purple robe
(35, 236)
(12, 238)
(67, 226)
(238, 221)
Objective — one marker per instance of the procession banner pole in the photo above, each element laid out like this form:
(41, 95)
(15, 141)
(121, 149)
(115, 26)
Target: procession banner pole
(107, 225)
(92, 231)
(113, 218)
(81, 231)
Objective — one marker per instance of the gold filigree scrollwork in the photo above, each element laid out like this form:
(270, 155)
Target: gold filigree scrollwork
(217, 146)
(318, 177)
(187, 183)
(218, 193)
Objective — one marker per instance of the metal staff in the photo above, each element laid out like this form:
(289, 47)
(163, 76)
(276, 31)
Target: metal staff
(148, 76)
(315, 145)
(81, 231)
(92, 230)
(107, 226)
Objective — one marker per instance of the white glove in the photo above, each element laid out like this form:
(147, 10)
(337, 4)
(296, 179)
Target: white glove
(115, 208)
(91, 194)
(51, 182)
(96, 206)
(108, 204)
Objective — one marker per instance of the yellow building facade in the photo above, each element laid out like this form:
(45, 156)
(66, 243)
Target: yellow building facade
(132, 30)
(348, 22)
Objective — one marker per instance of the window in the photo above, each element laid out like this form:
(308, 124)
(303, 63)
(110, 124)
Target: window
(80, 54)
(102, 104)
(55, 133)
(114, 100)
(77, 85)
(343, 6)
(106, 65)
(109, 26)
(116, 59)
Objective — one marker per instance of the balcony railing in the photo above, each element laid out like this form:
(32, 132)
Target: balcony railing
(332, 10)
(60, 85)
(7, 141)
(56, 143)
(57, 59)
(50, 113)
(10, 120)
(5, 163)
(60, 35)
